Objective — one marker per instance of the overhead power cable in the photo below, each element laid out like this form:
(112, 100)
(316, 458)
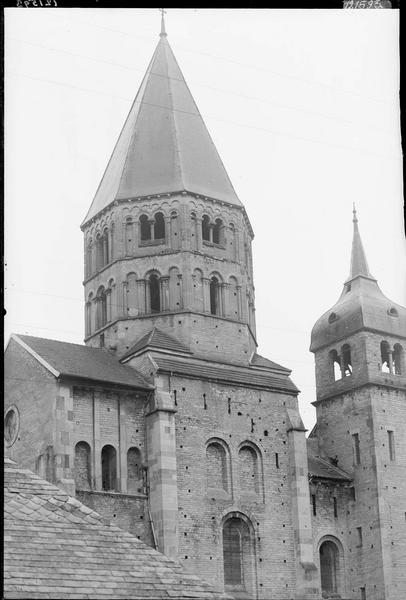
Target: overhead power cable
(213, 88)
(253, 127)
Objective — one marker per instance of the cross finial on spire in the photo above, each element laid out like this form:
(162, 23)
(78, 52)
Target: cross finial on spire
(163, 30)
(354, 213)
(359, 265)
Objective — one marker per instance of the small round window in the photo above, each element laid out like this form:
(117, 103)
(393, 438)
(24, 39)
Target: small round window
(393, 312)
(11, 425)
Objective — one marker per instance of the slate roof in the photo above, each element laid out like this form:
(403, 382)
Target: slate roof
(164, 145)
(224, 373)
(261, 361)
(76, 360)
(362, 305)
(56, 547)
(321, 468)
(157, 339)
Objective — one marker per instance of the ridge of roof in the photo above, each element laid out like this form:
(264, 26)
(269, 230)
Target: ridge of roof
(195, 367)
(156, 338)
(163, 143)
(84, 362)
(323, 469)
(260, 361)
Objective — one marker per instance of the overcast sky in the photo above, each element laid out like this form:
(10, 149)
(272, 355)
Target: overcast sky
(303, 108)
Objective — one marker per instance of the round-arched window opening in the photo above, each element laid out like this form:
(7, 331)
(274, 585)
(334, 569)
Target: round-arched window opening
(393, 312)
(11, 425)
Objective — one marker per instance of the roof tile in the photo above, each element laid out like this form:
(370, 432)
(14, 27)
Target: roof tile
(59, 554)
(76, 360)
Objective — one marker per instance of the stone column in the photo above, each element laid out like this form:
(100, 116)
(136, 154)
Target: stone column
(164, 285)
(206, 294)
(96, 313)
(108, 303)
(125, 299)
(187, 284)
(225, 299)
(161, 452)
(168, 231)
(113, 302)
(64, 456)
(151, 228)
(141, 296)
(97, 474)
(307, 585)
(238, 289)
(390, 360)
(180, 282)
(198, 234)
(122, 443)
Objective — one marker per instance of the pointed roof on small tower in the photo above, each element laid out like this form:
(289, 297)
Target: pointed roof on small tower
(359, 265)
(164, 146)
(362, 305)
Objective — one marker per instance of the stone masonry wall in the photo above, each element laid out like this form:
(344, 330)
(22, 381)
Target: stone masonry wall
(130, 513)
(234, 415)
(33, 390)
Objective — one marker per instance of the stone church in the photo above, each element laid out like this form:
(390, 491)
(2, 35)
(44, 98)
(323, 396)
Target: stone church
(171, 424)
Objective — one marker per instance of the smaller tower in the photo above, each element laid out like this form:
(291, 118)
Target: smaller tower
(359, 348)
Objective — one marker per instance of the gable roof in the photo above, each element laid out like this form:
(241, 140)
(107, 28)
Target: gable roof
(76, 360)
(195, 367)
(164, 145)
(56, 547)
(157, 339)
(321, 468)
(260, 361)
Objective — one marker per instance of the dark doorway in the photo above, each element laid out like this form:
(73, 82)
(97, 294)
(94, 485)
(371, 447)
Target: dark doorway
(329, 568)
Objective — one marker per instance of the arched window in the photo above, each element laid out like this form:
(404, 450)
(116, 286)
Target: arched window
(145, 229)
(214, 296)
(238, 555)
(198, 298)
(335, 364)
(109, 468)
(174, 230)
(101, 308)
(329, 568)
(249, 472)
(206, 228)
(398, 359)
(131, 295)
(88, 316)
(218, 232)
(216, 466)
(234, 300)
(233, 242)
(159, 226)
(129, 232)
(386, 359)
(99, 251)
(346, 356)
(134, 470)
(154, 293)
(82, 466)
(89, 254)
(106, 249)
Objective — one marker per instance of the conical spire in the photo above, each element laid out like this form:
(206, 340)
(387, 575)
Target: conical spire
(359, 265)
(164, 146)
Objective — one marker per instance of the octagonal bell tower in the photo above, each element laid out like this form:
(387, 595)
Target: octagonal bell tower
(167, 241)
